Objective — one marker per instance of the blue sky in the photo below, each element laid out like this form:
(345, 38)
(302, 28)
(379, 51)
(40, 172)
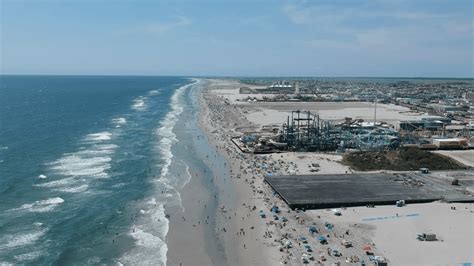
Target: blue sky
(414, 38)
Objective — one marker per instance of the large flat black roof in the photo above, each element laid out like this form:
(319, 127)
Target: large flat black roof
(328, 191)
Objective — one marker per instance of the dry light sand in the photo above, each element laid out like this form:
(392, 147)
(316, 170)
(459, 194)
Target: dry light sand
(395, 236)
(264, 113)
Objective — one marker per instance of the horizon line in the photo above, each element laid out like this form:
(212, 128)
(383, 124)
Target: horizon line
(238, 76)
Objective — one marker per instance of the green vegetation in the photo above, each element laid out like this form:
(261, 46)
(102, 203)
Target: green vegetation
(403, 159)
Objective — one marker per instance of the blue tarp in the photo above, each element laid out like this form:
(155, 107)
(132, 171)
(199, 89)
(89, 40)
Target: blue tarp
(328, 225)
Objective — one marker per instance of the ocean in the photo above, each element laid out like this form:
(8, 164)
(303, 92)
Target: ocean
(87, 166)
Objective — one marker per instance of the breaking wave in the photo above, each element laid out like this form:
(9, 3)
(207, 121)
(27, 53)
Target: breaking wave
(79, 167)
(96, 137)
(29, 256)
(119, 121)
(77, 189)
(151, 228)
(165, 132)
(42, 205)
(149, 239)
(22, 239)
(153, 92)
(139, 104)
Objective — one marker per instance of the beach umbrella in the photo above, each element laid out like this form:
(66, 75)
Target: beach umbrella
(302, 238)
(275, 209)
(367, 248)
(328, 226)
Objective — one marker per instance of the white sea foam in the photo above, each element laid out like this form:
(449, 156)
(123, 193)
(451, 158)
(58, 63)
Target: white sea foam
(168, 139)
(94, 162)
(149, 238)
(94, 152)
(77, 189)
(21, 239)
(152, 201)
(100, 136)
(119, 121)
(118, 185)
(101, 149)
(79, 167)
(152, 225)
(153, 92)
(28, 256)
(80, 162)
(151, 250)
(76, 165)
(165, 132)
(42, 205)
(189, 174)
(139, 104)
(157, 215)
(94, 261)
(59, 182)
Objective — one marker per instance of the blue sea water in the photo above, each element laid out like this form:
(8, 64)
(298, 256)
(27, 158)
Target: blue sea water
(85, 167)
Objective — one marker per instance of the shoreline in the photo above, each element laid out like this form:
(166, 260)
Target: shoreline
(194, 237)
(216, 227)
(243, 240)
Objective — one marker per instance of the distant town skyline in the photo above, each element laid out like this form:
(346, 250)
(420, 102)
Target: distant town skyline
(360, 38)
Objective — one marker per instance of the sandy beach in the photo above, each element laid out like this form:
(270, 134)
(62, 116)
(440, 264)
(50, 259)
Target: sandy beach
(394, 230)
(243, 239)
(217, 224)
(239, 235)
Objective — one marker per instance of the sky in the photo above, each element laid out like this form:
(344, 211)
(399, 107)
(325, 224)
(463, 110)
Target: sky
(351, 38)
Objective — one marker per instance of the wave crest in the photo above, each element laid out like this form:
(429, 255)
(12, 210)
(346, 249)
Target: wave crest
(139, 104)
(22, 239)
(42, 205)
(165, 132)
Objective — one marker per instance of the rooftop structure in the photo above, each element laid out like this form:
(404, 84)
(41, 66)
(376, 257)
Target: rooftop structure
(328, 191)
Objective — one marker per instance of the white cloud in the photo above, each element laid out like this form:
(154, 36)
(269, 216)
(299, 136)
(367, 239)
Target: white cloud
(411, 32)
